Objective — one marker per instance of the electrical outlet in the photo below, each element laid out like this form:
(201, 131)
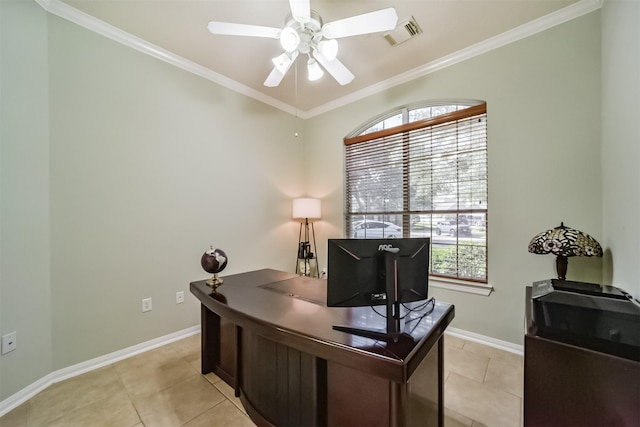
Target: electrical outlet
(146, 305)
(179, 297)
(9, 342)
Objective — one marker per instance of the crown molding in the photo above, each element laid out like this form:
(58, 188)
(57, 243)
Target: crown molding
(63, 10)
(544, 23)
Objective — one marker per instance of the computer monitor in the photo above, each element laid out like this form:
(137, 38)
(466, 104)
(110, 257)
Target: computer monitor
(370, 272)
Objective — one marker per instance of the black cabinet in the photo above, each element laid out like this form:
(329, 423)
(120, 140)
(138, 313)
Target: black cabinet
(567, 384)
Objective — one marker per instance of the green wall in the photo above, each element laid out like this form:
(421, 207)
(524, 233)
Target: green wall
(149, 166)
(543, 102)
(118, 172)
(25, 291)
(621, 142)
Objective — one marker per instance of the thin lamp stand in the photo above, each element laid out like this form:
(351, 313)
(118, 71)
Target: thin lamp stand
(304, 249)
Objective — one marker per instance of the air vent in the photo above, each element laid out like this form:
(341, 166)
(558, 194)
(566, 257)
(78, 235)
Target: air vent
(405, 30)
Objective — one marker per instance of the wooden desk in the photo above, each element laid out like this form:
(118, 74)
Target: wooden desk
(269, 335)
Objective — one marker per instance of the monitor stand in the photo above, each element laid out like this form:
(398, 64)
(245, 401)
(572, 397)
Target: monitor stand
(395, 323)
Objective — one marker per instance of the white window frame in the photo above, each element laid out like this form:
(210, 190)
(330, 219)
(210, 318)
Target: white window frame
(390, 120)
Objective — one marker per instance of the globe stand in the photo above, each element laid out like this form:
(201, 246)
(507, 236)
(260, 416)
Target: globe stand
(215, 281)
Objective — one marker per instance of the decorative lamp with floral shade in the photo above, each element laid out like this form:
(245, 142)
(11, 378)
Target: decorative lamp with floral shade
(564, 242)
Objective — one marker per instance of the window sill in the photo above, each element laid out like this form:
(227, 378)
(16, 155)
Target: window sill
(461, 286)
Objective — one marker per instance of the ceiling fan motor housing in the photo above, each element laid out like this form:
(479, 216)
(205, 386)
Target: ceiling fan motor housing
(309, 34)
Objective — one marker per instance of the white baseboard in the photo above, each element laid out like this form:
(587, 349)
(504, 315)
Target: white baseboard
(31, 390)
(482, 339)
(25, 394)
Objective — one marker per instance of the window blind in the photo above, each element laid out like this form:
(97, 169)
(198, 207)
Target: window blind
(432, 171)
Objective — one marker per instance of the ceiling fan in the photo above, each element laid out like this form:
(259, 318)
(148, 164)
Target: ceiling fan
(304, 33)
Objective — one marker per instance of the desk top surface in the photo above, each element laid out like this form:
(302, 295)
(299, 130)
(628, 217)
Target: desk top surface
(283, 304)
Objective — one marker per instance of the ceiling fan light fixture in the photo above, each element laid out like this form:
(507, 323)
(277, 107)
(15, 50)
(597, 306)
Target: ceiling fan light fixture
(329, 49)
(304, 33)
(289, 39)
(314, 70)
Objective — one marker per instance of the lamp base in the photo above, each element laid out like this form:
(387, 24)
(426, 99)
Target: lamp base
(561, 267)
(305, 256)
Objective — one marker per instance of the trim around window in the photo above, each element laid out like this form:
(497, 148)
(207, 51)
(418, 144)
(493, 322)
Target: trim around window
(465, 286)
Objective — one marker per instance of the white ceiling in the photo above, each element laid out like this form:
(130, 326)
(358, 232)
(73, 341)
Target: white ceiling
(179, 27)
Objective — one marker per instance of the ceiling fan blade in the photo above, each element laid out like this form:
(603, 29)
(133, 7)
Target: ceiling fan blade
(372, 22)
(300, 10)
(276, 76)
(232, 29)
(335, 68)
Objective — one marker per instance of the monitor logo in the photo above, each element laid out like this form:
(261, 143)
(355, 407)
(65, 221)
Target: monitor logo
(388, 248)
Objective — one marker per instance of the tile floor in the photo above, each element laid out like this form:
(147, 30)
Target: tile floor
(163, 387)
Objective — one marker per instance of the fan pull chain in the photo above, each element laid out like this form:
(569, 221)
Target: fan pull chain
(295, 91)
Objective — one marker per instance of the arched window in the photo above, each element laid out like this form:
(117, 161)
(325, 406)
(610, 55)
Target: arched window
(421, 171)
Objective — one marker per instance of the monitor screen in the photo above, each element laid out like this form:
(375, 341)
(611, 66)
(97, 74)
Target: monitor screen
(357, 272)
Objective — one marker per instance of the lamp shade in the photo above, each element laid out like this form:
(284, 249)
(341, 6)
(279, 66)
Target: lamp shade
(306, 209)
(314, 70)
(289, 39)
(328, 48)
(565, 241)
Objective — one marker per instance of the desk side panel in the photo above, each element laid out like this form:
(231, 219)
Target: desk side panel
(426, 390)
(209, 340)
(219, 343)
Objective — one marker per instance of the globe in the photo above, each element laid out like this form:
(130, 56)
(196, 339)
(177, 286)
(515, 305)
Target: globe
(214, 261)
